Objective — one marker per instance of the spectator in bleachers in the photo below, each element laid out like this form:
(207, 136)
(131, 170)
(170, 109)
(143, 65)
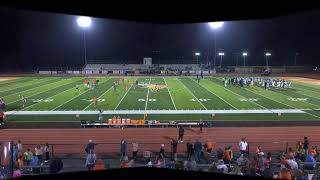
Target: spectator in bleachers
(292, 162)
(91, 160)
(27, 156)
(210, 145)
(243, 145)
(46, 151)
(123, 149)
(236, 171)
(161, 152)
(300, 154)
(267, 161)
(189, 150)
(15, 152)
(135, 149)
(19, 146)
(148, 162)
(300, 175)
(313, 151)
(260, 165)
(226, 156)
(306, 145)
(38, 152)
(285, 173)
(243, 163)
(197, 150)
(190, 165)
(20, 161)
(310, 163)
(221, 167)
(174, 147)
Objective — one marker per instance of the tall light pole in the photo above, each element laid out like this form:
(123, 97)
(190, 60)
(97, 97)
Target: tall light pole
(295, 58)
(244, 54)
(197, 54)
(267, 55)
(84, 23)
(221, 54)
(215, 26)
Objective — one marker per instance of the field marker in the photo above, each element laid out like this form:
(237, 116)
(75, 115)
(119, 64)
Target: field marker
(239, 94)
(75, 97)
(170, 94)
(30, 89)
(306, 94)
(193, 95)
(50, 96)
(145, 108)
(283, 103)
(214, 94)
(38, 92)
(123, 98)
(98, 98)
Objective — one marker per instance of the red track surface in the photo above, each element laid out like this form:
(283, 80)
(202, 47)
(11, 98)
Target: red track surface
(73, 141)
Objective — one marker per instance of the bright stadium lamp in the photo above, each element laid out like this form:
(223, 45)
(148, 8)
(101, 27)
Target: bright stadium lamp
(84, 21)
(221, 54)
(216, 25)
(267, 55)
(197, 54)
(244, 54)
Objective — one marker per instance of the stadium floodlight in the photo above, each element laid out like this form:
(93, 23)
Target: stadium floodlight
(244, 54)
(267, 55)
(84, 21)
(216, 25)
(197, 54)
(221, 54)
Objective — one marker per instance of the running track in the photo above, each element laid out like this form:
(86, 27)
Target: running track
(73, 141)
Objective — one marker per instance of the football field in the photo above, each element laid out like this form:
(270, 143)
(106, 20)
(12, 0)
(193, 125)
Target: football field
(158, 98)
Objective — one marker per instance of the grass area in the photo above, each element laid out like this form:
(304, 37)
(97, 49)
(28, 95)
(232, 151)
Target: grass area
(156, 93)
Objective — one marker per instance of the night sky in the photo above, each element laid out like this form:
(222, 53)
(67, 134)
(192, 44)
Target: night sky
(31, 39)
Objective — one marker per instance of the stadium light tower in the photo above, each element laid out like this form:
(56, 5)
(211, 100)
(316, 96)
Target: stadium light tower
(295, 58)
(221, 54)
(244, 54)
(84, 23)
(267, 55)
(197, 54)
(214, 26)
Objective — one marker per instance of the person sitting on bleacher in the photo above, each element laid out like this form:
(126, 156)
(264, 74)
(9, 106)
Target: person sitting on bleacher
(27, 156)
(310, 163)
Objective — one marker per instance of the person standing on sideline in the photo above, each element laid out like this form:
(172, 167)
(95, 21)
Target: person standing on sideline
(135, 149)
(243, 146)
(174, 147)
(306, 145)
(91, 160)
(100, 115)
(19, 146)
(123, 149)
(201, 123)
(46, 151)
(161, 153)
(181, 133)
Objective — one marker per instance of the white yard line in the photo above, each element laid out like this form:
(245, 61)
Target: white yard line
(37, 92)
(193, 95)
(239, 95)
(145, 108)
(70, 100)
(98, 98)
(170, 94)
(307, 95)
(282, 103)
(123, 98)
(29, 89)
(16, 87)
(49, 97)
(232, 111)
(214, 94)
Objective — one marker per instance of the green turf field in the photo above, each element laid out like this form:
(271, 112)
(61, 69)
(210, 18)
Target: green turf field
(50, 97)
